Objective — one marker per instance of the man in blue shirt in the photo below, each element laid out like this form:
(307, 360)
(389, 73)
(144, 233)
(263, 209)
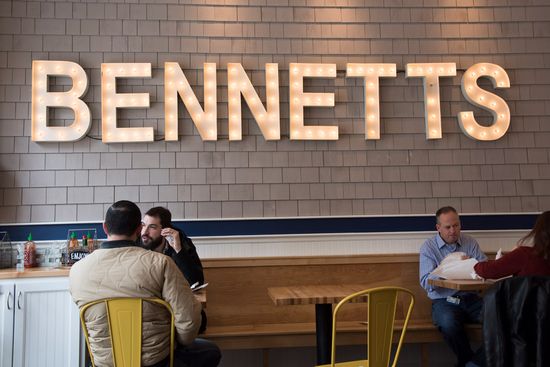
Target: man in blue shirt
(451, 309)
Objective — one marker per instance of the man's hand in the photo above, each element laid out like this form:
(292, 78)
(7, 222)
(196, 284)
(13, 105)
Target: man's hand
(172, 236)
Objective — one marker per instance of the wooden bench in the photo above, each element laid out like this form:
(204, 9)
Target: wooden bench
(242, 316)
(284, 335)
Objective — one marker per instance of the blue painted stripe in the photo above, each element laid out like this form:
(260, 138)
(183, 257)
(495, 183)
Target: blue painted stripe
(45, 232)
(274, 226)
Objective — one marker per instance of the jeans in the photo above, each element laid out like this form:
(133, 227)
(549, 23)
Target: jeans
(200, 353)
(450, 319)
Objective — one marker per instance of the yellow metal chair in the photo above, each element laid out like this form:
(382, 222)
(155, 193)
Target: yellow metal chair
(125, 324)
(382, 305)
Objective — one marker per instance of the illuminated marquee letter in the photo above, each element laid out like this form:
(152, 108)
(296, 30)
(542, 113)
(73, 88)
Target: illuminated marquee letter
(371, 74)
(430, 74)
(42, 99)
(175, 82)
(111, 100)
(489, 101)
(299, 99)
(268, 120)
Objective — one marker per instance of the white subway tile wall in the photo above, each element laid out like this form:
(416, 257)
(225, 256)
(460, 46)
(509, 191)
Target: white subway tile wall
(402, 173)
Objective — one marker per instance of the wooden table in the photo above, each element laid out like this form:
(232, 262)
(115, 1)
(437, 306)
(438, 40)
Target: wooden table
(462, 284)
(322, 296)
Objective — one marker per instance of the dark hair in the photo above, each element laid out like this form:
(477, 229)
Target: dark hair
(444, 210)
(540, 236)
(163, 214)
(122, 218)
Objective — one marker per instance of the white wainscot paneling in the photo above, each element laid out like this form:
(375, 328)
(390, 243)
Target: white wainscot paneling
(338, 244)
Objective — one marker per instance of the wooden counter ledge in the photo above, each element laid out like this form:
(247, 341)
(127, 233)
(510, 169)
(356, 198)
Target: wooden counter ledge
(38, 272)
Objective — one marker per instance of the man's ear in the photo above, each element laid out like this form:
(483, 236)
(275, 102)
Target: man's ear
(437, 226)
(105, 229)
(138, 230)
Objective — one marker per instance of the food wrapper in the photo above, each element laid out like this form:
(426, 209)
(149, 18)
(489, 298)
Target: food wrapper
(454, 267)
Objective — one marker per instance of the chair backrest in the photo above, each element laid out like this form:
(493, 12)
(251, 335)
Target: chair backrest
(516, 322)
(125, 326)
(382, 305)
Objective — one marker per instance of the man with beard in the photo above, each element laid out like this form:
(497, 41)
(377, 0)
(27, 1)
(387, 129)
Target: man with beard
(158, 234)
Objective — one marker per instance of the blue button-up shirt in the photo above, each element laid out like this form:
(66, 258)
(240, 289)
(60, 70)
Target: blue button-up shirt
(434, 250)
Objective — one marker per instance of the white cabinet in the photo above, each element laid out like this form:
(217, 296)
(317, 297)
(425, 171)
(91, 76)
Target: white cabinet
(39, 323)
(7, 314)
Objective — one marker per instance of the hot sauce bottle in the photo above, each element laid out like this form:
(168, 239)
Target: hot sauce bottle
(73, 242)
(90, 243)
(29, 256)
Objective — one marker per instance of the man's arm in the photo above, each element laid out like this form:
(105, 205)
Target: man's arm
(186, 308)
(427, 264)
(189, 263)
(188, 260)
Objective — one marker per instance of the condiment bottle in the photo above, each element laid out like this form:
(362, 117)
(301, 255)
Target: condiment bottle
(73, 242)
(30, 253)
(90, 242)
(84, 241)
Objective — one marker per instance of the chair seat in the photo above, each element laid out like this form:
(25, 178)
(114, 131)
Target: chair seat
(359, 363)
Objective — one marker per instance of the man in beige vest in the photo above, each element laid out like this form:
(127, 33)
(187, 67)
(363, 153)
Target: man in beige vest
(119, 268)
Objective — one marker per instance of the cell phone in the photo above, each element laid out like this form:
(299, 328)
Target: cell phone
(170, 240)
(199, 287)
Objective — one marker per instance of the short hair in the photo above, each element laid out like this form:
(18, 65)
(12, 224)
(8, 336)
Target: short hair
(444, 210)
(163, 214)
(122, 218)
